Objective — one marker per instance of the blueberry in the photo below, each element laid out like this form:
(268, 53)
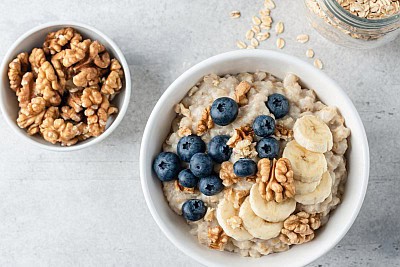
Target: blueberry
(187, 179)
(224, 110)
(264, 125)
(167, 166)
(210, 185)
(218, 150)
(190, 145)
(201, 165)
(245, 167)
(193, 209)
(268, 148)
(278, 105)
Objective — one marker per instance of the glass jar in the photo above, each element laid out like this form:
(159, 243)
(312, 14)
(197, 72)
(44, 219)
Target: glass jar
(338, 25)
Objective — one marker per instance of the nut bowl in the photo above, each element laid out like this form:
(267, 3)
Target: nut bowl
(278, 64)
(35, 38)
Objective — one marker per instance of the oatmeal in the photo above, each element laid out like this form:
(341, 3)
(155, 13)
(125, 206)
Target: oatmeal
(264, 167)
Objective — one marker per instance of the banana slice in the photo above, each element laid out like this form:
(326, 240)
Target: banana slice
(225, 211)
(320, 193)
(313, 134)
(307, 166)
(270, 210)
(257, 226)
(305, 188)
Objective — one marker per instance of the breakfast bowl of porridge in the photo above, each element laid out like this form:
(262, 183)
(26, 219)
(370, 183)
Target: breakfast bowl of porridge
(252, 158)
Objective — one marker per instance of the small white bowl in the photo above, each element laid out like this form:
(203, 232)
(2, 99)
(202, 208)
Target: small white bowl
(35, 38)
(159, 125)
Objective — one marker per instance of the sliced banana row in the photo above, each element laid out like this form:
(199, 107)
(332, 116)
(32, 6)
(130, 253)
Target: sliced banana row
(312, 180)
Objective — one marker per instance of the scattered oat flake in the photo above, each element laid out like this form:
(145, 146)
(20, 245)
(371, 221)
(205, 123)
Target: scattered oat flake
(270, 4)
(241, 44)
(310, 53)
(262, 36)
(264, 12)
(256, 20)
(249, 35)
(265, 27)
(251, 47)
(254, 42)
(256, 29)
(279, 27)
(280, 43)
(235, 14)
(302, 38)
(318, 63)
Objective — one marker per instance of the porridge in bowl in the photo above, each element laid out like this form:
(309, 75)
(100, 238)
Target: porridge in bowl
(253, 163)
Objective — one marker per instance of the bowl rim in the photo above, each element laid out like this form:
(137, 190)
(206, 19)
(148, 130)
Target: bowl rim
(242, 54)
(122, 110)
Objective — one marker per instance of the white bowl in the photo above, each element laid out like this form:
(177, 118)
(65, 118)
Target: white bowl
(158, 127)
(35, 38)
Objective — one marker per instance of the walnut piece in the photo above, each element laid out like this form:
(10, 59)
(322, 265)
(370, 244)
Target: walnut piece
(299, 228)
(59, 68)
(206, 122)
(56, 40)
(16, 69)
(91, 98)
(68, 113)
(113, 83)
(281, 132)
(31, 116)
(275, 181)
(217, 238)
(180, 188)
(58, 130)
(236, 196)
(97, 120)
(227, 175)
(87, 77)
(242, 133)
(47, 84)
(26, 92)
(241, 93)
(37, 58)
(76, 54)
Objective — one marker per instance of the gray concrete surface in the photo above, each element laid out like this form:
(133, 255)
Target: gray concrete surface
(86, 208)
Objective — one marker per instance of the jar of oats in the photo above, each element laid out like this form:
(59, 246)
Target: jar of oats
(355, 23)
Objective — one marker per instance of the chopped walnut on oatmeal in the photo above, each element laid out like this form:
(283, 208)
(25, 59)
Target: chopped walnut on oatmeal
(180, 188)
(242, 133)
(217, 238)
(241, 92)
(184, 131)
(236, 196)
(299, 228)
(206, 122)
(281, 132)
(227, 175)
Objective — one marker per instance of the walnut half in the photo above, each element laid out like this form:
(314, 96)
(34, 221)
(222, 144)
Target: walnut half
(275, 180)
(227, 175)
(299, 228)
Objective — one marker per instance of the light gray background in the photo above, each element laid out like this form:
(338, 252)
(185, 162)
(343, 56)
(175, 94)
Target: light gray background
(86, 208)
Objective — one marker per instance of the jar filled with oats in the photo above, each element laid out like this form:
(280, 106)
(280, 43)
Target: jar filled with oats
(359, 24)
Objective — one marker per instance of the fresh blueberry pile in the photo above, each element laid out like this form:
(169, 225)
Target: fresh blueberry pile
(201, 157)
